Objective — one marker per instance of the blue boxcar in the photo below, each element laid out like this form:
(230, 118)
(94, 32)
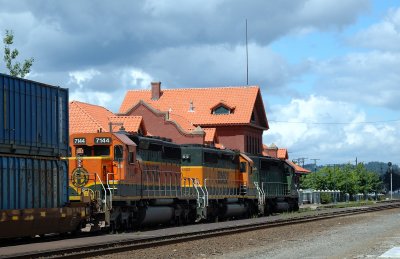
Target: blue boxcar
(33, 118)
(29, 182)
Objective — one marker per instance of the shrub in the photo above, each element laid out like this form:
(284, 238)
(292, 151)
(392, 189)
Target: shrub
(326, 198)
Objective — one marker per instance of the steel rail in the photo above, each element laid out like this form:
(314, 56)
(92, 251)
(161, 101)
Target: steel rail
(147, 242)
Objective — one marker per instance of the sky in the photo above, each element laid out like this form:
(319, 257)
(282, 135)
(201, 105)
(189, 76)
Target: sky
(328, 70)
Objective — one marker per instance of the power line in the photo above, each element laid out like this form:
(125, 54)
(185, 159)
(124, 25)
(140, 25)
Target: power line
(335, 123)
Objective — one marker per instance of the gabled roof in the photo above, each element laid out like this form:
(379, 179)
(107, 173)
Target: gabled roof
(298, 169)
(89, 118)
(182, 122)
(274, 151)
(132, 124)
(224, 104)
(283, 153)
(178, 101)
(210, 134)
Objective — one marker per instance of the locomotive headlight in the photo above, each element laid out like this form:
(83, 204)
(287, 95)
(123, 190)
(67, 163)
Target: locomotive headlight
(185, 156)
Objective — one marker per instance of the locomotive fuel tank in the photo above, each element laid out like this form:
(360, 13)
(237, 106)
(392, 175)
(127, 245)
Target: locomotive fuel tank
(234, 210)
(154, 215)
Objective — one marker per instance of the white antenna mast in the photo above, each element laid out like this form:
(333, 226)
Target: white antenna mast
(247, 59)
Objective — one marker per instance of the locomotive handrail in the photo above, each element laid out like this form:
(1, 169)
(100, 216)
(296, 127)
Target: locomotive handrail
(156, 182)
(197, 186)
(259, 194)
(109, 188)
(276, 188)
(205, 187)
(105, 191)
(263, 195)
(223, 187)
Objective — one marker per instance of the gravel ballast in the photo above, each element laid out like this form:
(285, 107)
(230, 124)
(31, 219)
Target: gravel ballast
(360, 236)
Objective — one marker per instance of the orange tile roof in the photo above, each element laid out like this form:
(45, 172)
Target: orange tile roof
(244, 98)
(87, 118)
(223, 103)
(210, 134)
(282, 153)
(182, 122)
(274, 151)
(132, 124)
(297, 168)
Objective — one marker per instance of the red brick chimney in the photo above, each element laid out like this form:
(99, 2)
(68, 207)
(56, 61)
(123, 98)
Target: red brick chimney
(155, 90)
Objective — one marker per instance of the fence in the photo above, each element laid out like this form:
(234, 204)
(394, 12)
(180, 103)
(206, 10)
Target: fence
(316, 196)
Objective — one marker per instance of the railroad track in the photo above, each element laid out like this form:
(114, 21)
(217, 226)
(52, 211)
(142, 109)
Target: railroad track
(98, 249)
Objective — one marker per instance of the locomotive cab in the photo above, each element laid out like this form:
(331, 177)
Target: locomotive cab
(99, 161)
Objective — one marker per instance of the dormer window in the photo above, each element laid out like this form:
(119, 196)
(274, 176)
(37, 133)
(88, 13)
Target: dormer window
(222, 108)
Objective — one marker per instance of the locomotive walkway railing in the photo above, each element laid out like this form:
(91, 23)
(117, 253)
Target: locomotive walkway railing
(161, 183)
(223, 187)
(275, 188)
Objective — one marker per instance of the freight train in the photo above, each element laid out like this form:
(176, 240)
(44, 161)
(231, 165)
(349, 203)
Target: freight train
(55, 183)
(34, 198)
(139, 180)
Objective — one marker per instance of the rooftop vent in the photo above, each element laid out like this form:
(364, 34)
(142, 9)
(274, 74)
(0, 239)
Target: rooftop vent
(191, 107)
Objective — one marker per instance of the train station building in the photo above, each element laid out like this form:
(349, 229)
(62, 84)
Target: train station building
(223, 117)
(230, 117)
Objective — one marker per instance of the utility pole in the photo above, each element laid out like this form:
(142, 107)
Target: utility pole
(315, 163)
(302, 159)
(295, 160)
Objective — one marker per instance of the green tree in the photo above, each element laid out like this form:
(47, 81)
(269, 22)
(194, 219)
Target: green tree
(346, 178)
(15, 68)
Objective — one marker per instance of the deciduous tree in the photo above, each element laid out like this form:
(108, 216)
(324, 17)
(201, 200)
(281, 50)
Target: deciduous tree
(15, 68)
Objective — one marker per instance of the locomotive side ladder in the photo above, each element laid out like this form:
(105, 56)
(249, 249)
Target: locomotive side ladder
(260, 198)
(202, 200)
(106, 202)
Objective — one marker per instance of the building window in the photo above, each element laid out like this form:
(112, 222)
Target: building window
(221, 110)
(253, 117)
(253, 141)
(247, 144)
(251, 145)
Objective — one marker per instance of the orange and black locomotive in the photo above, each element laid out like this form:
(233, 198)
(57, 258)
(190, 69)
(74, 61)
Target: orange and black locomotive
(139, 180)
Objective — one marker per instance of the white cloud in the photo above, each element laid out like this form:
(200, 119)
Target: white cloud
(93, 97)
(106, 86)
(136, 78)
(80, 77)
(384, 35)
(221, 65)
(306, 135)
(370, 78)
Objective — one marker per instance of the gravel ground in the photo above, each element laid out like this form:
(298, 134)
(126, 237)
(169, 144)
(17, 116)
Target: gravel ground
(360, 236)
